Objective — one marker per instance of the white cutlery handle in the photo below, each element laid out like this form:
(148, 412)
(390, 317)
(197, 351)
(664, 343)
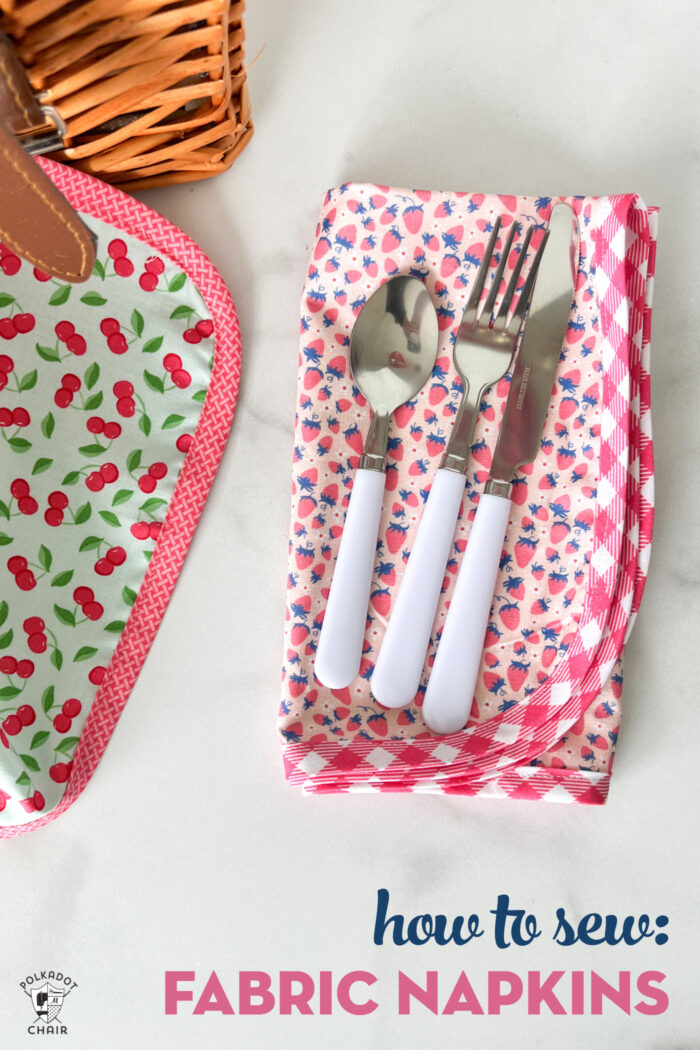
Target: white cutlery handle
(342, 633)
(397, 673)
(453, 678)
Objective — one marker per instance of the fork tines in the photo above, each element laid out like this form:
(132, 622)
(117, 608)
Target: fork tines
(498, 320)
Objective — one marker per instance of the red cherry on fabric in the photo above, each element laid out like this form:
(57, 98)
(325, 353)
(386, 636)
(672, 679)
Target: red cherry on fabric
(116, 249)
(61, 723)
(19, 488)
(26, 714)
(24, 323)
(64, 330)
(58, 500)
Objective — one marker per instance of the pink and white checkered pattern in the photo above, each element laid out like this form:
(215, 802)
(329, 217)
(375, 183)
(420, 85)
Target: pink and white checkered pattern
(506, 755)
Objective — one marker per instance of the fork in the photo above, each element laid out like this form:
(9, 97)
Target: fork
(483, 352)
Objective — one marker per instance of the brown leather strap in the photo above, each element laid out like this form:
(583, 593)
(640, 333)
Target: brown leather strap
(18, 105)
(36, 221)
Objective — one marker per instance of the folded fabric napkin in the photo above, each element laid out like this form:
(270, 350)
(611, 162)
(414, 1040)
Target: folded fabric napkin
(546, 713)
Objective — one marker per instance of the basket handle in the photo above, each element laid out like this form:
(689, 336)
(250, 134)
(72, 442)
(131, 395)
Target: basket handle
(36, 221)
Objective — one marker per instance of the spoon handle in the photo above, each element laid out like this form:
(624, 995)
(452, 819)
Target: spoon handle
(450, 691)
(342, 633)
(398, 669)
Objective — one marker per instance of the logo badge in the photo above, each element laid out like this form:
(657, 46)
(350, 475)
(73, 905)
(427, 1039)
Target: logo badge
(47, 991)
(47, 1001)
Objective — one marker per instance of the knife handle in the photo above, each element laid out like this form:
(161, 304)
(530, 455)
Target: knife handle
(453, 678)
(398, 669)
(342, 633)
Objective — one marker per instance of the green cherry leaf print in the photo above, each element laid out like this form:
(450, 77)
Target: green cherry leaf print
(175, 284)
(137, 323)
(62, 578)
(110, 518)
(65, 616)
(92, 374)
(4, 609)
(48, 353)
(47, 699)
(171, 421)
(38, 739)
(93, 299)
(155, 382)
(86, 652)
(67, 745)
(83, 513)
(90, 543)
(19, 444)
(133, 460)
(48, 424)
(115, 627)
(41, 465)
(28, 381)
(61, 295)
(6, 639)
(152, 346)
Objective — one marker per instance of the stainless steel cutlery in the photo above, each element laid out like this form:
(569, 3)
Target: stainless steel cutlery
(453, 677)
(393, 350)
(483, 353)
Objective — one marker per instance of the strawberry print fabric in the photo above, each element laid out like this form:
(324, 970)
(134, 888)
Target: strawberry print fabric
(102, 390)
(558, 582)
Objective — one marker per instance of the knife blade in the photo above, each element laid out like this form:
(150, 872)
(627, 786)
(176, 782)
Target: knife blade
(538, 357)
(455, 670)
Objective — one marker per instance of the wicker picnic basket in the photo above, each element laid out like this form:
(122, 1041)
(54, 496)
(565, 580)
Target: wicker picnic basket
(153, 95)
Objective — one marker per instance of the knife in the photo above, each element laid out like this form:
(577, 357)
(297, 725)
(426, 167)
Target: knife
(453, 678)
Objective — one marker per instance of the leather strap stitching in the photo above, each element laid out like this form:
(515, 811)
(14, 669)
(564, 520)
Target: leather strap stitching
(66, 220)
(13, 87)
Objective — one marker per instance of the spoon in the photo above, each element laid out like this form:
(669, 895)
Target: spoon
(392, 352)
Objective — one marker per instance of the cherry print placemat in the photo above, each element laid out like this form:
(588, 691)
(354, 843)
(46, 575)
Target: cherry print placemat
(546, 713)
(116, 397)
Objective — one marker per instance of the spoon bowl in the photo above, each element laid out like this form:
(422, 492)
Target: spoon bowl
(392, 352)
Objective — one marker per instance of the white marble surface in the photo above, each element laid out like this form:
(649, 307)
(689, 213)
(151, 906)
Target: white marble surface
(188, 850)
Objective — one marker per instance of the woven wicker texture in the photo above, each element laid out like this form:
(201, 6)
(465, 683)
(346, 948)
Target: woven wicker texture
(155, 96)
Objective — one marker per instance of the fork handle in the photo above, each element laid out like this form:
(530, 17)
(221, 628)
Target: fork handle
(453, 678)
(398, 670)
(339, 651)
